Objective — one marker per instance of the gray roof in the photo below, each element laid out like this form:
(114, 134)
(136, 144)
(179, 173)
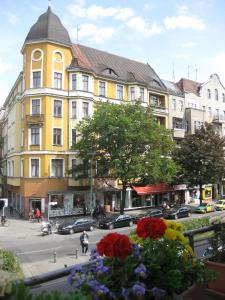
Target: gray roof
(121, 68)
(48, 27)
(172, 88)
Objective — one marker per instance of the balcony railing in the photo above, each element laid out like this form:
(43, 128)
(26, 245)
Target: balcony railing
(219, 118)
(35, 119)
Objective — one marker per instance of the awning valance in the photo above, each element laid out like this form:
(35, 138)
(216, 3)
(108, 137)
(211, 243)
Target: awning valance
(153, 189)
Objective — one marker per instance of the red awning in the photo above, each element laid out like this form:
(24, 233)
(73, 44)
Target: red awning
(153, 189)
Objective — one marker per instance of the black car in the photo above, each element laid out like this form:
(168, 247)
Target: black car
(117, 221)
(76, 226)
(154, 213)
(180, 212)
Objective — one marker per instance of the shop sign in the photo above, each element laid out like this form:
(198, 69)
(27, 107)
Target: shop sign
(180, 187)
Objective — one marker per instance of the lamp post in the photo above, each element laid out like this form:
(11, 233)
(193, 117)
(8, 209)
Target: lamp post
(91, 181)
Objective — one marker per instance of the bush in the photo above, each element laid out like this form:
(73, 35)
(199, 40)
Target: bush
(8, 261)
(195, 223)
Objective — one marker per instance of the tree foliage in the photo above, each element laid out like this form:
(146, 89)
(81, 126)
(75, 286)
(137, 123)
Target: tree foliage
(201, 157)
(127, 144)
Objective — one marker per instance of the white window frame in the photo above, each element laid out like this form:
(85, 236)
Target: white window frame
(105, 88)
(88, 83)
(32, 77)
(134, 94)
(181, 105)
(31, 144)
(39, 167)
(174, 104)
(209, 94)
(31, 106)
(22, 167)
(63, 173)
(71, 115)
(142, 89)
(88, 114)
(122, 91)
(216, 95)
(53, 136)
(210, 112)
(59, 72)
(71, 81)
(53, 112)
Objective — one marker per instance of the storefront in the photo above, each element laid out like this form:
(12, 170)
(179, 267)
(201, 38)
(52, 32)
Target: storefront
(180, 194)
(207, 193)
(151, 195)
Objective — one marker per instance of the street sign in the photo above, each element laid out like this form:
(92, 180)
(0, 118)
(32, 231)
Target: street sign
(53, 203)
(5, 200)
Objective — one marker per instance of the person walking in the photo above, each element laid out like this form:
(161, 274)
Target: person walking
(38, 214)
(84, 241)
(11, 210)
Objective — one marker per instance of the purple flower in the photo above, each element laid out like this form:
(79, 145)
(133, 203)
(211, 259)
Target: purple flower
(100, 269)
(102, 290)
(77, 269)
(138, 289)
(136, 250)
(94, 284)
(94, 254)
(125, 293)
(78, 283)
(158, 293)
(70, 279)
(141, 271)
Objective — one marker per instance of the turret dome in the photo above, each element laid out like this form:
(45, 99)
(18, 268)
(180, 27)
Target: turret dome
(48, 28)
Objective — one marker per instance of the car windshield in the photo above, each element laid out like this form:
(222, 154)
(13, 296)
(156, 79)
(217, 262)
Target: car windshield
(221, 202)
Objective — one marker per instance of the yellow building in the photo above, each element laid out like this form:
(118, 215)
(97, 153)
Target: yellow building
(57, 87)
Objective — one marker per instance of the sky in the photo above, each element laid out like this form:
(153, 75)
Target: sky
(177, 38)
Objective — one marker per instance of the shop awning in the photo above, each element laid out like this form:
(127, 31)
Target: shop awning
(153, 189)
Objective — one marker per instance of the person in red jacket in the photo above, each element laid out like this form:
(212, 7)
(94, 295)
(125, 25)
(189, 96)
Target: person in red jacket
(38, 214)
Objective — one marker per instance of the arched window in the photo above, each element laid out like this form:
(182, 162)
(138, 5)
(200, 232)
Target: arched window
(216, 95)
(209, 94)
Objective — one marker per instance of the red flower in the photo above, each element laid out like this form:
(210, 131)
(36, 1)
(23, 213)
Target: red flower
(114, 245)
(150, 227)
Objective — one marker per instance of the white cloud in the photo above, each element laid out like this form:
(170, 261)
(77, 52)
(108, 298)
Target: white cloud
(142, 26)
(13, 19)
(93, 33)
(5, 66)
(182, 9)
(189, 45)
(217, 65)
(124, 14)
(184, 22)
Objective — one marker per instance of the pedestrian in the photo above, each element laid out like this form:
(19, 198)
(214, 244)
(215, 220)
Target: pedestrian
(84, 242)
(38, 214)
(11, 210)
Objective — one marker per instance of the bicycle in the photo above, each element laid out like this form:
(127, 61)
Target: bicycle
(4, 222)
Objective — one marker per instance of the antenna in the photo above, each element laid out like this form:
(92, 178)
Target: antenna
(173, 74)
(49, 3)
(188, 74)
(196, 74)
(78, 29)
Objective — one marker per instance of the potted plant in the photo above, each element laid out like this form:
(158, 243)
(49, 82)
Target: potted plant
(155, 262)
(216, 259)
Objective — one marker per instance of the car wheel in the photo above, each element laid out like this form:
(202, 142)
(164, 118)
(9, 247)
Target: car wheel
(176, 217)
(71, 231)
(111, 226)
(189, 214)
(131, 223)
(91, 228)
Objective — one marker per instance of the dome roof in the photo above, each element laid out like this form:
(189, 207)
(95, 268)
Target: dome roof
(48, 27)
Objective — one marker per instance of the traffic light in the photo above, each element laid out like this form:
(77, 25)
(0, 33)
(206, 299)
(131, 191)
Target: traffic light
(2, 204)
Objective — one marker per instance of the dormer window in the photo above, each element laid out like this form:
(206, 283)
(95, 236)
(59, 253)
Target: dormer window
(209, 93)
(110, 72)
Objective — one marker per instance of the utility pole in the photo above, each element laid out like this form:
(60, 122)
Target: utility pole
(196, 74)
(173, 72)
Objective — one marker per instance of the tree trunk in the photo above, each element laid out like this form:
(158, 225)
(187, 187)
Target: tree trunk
(123, 198)
(201, 195)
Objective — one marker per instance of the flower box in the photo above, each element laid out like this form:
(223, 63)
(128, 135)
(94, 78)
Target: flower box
(217, 287)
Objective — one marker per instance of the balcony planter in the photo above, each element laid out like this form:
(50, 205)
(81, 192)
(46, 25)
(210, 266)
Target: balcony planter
(217, 287)
(194, 292)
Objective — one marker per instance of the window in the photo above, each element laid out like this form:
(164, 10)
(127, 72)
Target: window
(210, 111)
(35, 109)
(181, 105)
(22, 137)
(57, 108)
(223, 96)
(74, 136)
(34, 171)
(85, 83)
(154, 100)
(73, 167)
(36, 79)
(57, 167)
(132, 93)
(217, 113)
(85, 109)
(102, 88)
(22, 168)
(85, 167)
(9, 168)
(74, 110)
(57, 80)
(179, 123)
(203, 107)
(174, 104)
(12, 174)
(216, 95)
(57, 136)
(224, 115)
(35, 135)
(142, 94)
(209, 93)
(119, 93)
(74, 82)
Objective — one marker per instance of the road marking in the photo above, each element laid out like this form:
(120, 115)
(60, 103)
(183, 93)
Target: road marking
(36, 251)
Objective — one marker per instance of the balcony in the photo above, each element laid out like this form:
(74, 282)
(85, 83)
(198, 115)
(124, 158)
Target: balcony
(219, 118)
(15, 181)
(34, 119)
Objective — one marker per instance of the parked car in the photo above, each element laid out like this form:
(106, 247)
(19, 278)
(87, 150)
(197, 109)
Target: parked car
(220, 205)
(154, 213)
(180, 212)
(205, 208)
(117, 221)
(76, 226)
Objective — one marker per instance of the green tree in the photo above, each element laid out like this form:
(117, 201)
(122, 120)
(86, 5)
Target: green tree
(201, 158)
(127, 144)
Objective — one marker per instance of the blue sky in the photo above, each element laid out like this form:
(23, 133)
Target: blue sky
(164, 33)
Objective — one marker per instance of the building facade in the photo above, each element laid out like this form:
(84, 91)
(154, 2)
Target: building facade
(57, 87)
